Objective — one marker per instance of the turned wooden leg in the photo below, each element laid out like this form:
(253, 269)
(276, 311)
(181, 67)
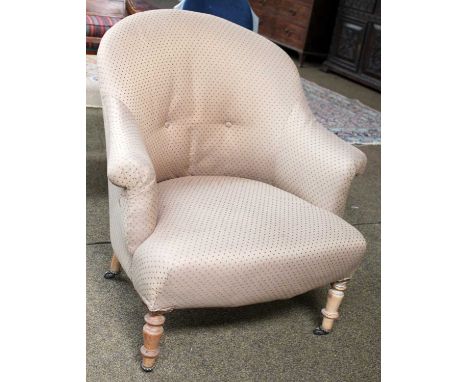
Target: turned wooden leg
(114, 268)
(152, 332)
(330, 313)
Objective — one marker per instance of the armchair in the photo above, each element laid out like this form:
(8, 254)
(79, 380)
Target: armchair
(223, 188)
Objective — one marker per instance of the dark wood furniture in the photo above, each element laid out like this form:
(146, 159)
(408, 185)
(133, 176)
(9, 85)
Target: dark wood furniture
(355, 49)
(305, 26)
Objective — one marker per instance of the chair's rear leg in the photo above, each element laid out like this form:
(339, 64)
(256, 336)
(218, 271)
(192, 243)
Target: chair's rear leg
(114, 268)
(152, 332)
(330, 313)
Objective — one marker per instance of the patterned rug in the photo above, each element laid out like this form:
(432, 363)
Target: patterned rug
(347, 118)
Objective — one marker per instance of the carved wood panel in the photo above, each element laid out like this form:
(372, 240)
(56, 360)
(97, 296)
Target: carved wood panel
(350, 37)
(371, 60)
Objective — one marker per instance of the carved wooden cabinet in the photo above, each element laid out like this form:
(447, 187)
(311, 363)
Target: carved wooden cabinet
(305, 26)
(355, 49)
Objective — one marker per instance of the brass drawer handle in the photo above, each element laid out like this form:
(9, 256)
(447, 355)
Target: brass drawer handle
(287, 31)
(292, 12)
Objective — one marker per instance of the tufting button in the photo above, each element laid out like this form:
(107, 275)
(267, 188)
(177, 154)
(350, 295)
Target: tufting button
(166, 125)
(228, 124)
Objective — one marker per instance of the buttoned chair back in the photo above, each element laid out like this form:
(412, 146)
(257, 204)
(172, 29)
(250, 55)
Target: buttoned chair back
(202, 93)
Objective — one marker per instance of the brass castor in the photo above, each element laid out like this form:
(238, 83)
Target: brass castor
(318, 331)
(110, 275)
(146, 369)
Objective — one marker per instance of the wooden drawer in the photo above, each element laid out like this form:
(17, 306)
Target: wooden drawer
(282, 31)
(294, 12)
(264, 7)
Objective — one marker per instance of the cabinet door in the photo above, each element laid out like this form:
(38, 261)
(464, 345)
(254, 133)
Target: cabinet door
(371, 52)
(348, 40)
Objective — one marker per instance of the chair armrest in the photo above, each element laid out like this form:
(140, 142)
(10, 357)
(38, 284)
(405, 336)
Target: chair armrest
(130, 168)
(128, 164)
(314, 164)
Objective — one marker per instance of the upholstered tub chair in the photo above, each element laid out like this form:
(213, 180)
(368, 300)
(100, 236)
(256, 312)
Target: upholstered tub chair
(224, 190)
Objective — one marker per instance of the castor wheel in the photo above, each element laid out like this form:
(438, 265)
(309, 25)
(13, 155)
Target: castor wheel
(318, 331)
(146, 369)
(110, 275)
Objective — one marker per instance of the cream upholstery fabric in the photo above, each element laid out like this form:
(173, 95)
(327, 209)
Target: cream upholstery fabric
(191, 101)
(225, 241)
(131, 169)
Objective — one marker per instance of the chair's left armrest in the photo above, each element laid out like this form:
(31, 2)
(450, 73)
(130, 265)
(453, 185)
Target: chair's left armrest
(314, 164)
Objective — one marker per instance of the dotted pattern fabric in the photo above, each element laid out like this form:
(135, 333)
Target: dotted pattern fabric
(117, 229)
(130, 170)
(212, 98)
(190, 96)
(224, 241)
(314, 164)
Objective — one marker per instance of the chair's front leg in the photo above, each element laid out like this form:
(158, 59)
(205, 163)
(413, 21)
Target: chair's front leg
(152, 332)
(330, 313)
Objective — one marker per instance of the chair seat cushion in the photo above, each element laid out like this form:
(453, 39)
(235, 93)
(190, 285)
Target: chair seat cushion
(224, 241)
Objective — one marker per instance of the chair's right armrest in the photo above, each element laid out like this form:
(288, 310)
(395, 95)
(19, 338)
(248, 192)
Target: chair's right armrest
(129, 167)
(128, 164)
